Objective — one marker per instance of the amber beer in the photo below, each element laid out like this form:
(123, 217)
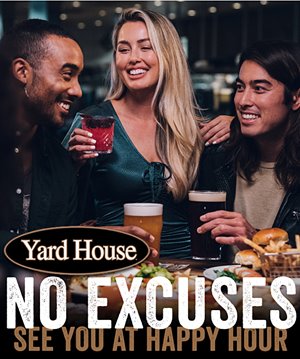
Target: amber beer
(149, 217)
(200, 202)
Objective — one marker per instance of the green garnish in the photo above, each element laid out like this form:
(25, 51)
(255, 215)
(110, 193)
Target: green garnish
(154, 271)
(227, 273)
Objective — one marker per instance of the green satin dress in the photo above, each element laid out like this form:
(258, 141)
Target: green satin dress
(126, 176)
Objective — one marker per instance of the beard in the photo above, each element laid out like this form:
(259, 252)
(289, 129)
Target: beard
(42, 110)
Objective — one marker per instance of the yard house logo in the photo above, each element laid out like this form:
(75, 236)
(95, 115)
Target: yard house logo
(76, 250)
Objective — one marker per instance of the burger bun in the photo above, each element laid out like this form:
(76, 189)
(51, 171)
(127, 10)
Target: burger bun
(248, 257)
(264, 236)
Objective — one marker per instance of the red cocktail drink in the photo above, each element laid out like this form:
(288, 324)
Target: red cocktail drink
(102, 128)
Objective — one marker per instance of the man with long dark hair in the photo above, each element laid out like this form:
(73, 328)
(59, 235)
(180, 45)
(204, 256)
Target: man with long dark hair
(259, 167)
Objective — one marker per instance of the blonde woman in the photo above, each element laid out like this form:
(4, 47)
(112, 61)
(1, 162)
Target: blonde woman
(157, 142)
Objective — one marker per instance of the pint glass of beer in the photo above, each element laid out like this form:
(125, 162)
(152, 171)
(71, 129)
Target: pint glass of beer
(200, 202)
(147, 216)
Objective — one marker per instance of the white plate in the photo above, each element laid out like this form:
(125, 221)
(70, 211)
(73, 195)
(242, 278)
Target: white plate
(209, 273)
(125, 272)
(77, 288)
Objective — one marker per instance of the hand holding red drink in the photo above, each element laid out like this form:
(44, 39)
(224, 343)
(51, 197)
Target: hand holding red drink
(102, 128)
(94, 138)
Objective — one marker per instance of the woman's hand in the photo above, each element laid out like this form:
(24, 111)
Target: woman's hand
(216, 130)
(80, 143)
(227, 227)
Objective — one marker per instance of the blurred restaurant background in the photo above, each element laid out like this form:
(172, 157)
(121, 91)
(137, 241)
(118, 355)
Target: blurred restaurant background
(213, 34)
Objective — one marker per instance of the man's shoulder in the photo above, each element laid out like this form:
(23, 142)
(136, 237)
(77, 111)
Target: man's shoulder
(215, 156)
(216, 150)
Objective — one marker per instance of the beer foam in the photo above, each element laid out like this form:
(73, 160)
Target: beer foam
(143, 209)
(207, 196)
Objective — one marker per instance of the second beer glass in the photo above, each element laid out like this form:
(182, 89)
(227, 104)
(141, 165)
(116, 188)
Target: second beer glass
(149, 217)
(200, 202)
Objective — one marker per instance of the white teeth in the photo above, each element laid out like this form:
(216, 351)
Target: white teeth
(137, 71)
(65, 106)
(249, 116)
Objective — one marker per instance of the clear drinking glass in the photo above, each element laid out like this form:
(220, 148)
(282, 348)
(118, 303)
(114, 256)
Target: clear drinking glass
(102, 128)
(149, 217)
(200, 202)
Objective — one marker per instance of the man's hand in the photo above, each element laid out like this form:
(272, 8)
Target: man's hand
(227, 227)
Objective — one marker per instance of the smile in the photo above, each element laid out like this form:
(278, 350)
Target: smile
(249, 116)
(137, 71)
(64, 106)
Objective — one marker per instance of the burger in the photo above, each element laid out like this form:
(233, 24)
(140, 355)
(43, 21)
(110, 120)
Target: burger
(265, 236)
(248, 258)
(249, 265)
(269, 240)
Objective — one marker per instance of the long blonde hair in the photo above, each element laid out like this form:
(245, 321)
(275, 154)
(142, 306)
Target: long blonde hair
(178, 139)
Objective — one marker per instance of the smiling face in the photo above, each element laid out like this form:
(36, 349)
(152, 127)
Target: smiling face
(54, 84)
(136, 61)
(260, 103)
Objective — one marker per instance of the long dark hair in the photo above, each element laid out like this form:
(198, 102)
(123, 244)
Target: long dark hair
(282, 62)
